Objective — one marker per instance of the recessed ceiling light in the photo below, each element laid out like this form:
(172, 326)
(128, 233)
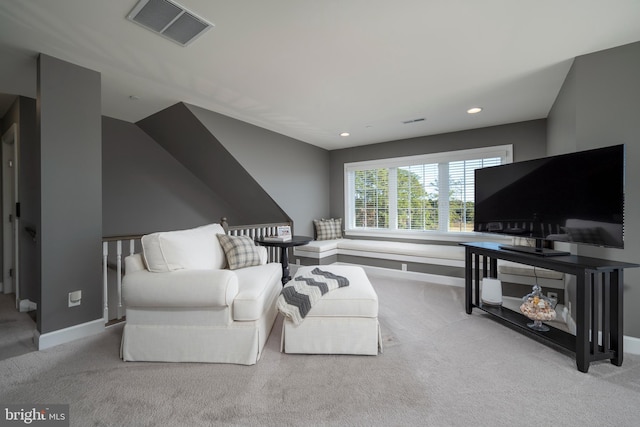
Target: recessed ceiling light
(474, 110)
(345, 134)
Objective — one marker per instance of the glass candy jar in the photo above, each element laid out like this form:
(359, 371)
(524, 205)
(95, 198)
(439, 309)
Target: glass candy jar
(538, 308)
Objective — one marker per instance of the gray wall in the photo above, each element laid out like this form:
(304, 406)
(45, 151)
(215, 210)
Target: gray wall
(294, 174)
(69, 127)
(178, 131)
(561, 123)
(597, 107)
(145, 189)
(528, 139)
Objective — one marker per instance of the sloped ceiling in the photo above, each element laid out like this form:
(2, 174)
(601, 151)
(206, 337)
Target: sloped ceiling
(5, 103)
(179, 132)
(311, 69)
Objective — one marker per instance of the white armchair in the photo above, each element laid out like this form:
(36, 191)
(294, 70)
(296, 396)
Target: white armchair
(189, 309)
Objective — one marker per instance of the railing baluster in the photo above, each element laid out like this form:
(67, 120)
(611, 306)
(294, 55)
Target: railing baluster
(105, 291)
(119, 276)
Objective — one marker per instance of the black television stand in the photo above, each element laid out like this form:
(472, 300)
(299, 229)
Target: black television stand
(598, 306)
(535, 251)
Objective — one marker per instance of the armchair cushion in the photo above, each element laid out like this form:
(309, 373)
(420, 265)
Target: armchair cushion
(258, 287)
(241, 251)
(193, 249)
(180, 289)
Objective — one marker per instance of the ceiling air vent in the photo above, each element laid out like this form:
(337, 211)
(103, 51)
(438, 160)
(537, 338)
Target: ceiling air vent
(170, 20)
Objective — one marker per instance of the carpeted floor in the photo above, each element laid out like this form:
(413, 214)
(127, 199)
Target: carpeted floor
(16, 329)
(440, 367)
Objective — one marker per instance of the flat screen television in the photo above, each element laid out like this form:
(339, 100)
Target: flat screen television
(576, 198)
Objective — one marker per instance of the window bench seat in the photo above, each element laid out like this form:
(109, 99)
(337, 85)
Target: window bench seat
(442, 263)
(438, 263)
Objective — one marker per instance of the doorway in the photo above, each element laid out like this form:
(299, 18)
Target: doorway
(10, 216)
(17, 314)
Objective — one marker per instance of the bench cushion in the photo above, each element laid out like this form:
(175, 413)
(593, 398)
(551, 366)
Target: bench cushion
(403, 248)
(380, 246)
(320, 246)
(508, 267)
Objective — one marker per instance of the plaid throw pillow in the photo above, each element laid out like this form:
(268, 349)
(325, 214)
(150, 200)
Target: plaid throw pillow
(328, 229)
(241, 251)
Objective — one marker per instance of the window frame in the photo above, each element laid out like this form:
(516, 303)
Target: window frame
(505, 152)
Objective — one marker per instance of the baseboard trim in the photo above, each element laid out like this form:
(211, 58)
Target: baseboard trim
(631, 345)
(27, 305)
(411, 275)
(72, 333)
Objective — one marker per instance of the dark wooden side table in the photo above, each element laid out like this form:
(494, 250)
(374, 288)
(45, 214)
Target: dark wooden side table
(284, 248)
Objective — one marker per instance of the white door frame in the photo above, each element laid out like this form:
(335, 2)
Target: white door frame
(10, 221)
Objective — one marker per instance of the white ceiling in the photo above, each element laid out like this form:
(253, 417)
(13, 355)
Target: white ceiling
(311, 69)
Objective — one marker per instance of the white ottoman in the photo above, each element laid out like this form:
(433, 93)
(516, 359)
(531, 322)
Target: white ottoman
(343, 321)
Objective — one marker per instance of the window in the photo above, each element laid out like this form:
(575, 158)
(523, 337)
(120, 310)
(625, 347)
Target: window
(372, 198)
(418, 197)
(419, 193)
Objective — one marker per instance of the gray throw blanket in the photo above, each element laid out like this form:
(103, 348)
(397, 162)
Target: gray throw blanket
(299, 295)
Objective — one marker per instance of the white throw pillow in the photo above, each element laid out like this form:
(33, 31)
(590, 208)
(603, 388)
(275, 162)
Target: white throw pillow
(192, 249)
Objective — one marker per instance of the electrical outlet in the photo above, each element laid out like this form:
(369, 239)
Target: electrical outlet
(75, 298)
(553, 295)
(404, 267)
